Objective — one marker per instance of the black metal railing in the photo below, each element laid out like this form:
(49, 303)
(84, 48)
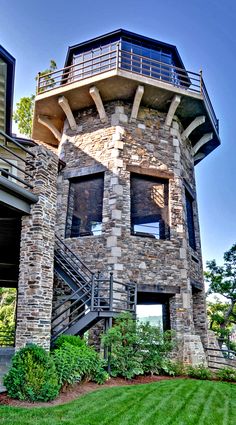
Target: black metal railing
(220, 358)
(88, 292)
(106, 297)
(134, 63)
(14, 160)
(7, 338)
(73, 265)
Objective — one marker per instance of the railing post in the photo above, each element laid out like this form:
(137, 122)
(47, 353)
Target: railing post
(98, 291)
(92, 292)
(117, 56)
(38, 80)
(111, 292)
(135, 298)
(200, 73)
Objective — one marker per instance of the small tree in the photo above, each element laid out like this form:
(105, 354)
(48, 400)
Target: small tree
(222, 280)
(23, 114)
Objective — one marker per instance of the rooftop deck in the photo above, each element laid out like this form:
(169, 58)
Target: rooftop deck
(116, 73)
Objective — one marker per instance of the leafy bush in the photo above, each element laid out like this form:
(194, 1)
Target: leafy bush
(173, 368)
(74, 363)
(122, 340)
(70, 339)
(199, 372)
(136, 348)
(154, 346)
(226, 374)
(33, 375)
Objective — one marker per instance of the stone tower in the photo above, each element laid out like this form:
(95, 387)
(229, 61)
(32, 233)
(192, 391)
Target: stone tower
(130, 123)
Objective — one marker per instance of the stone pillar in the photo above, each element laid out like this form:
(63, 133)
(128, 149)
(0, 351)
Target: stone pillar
(35, 286)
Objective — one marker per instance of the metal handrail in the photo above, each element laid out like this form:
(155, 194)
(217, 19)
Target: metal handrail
(97, 294)
(226, 358)
(7, 174)
(65, 248)
(134, 63)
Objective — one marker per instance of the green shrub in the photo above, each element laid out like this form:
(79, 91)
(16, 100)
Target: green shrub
(226, 374)
(154, 345)
(173, 368)
(136, 348)
(199, 372)
(71, 339)
(33, 375)
(122, 340)
(74, 363)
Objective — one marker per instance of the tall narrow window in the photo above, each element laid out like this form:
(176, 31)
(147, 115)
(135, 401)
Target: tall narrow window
(85, 206)
(149, 207)
(190, 219)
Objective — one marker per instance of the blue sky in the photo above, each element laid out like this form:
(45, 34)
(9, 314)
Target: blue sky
(205, 35)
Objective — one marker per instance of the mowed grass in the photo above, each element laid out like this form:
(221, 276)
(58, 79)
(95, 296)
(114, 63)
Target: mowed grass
(179, 402)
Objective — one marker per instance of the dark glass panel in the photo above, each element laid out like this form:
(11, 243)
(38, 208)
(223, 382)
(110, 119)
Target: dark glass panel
(149, 206)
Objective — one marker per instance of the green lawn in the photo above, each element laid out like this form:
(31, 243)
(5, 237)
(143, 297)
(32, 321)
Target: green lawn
(179, 402)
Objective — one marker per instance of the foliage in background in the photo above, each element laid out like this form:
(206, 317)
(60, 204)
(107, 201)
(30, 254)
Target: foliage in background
(23, 114)
(33, 375)
(7, 314)
(155, 345)
(226, 374)
(199, 372)
(136, 348)
(76, 362)
(70, 339)
(222, 281)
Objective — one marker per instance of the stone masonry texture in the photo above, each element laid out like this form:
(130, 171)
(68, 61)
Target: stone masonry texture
(145, 146)
(35, 286)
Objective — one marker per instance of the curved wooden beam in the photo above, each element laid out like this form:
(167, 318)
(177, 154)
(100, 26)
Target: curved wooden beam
(194, 124)
(42, 119)
(64, 104)
(94, 93)
(199, 156)
(137, 100)
(173, 106)
(204, 139)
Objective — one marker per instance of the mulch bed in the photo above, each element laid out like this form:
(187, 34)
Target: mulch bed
(74, 391)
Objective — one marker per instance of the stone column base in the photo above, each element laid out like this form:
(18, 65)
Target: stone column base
(190, 350)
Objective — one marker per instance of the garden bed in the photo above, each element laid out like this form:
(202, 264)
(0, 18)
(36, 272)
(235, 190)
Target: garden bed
(72, 392)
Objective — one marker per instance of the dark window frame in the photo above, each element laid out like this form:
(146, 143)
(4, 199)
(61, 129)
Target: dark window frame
(158, 219)
(74, 228)
(189, 204)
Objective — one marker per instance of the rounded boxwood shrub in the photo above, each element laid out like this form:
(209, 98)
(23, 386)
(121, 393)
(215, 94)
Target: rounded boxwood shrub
(33, 375)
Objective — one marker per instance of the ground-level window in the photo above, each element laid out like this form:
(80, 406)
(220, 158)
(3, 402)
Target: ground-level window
(85, 206)
(190, 219)
(149, 206)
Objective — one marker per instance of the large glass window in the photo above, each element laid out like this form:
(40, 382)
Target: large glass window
(94, 61)
(85, 206)
(147, 61)
(190, 219)
(149, 207)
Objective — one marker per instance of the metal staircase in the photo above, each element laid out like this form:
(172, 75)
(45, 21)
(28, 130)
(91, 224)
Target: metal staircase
(92, 297)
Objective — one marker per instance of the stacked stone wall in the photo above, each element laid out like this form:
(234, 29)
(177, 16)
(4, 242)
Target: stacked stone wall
(118, 148)
(35, 285)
